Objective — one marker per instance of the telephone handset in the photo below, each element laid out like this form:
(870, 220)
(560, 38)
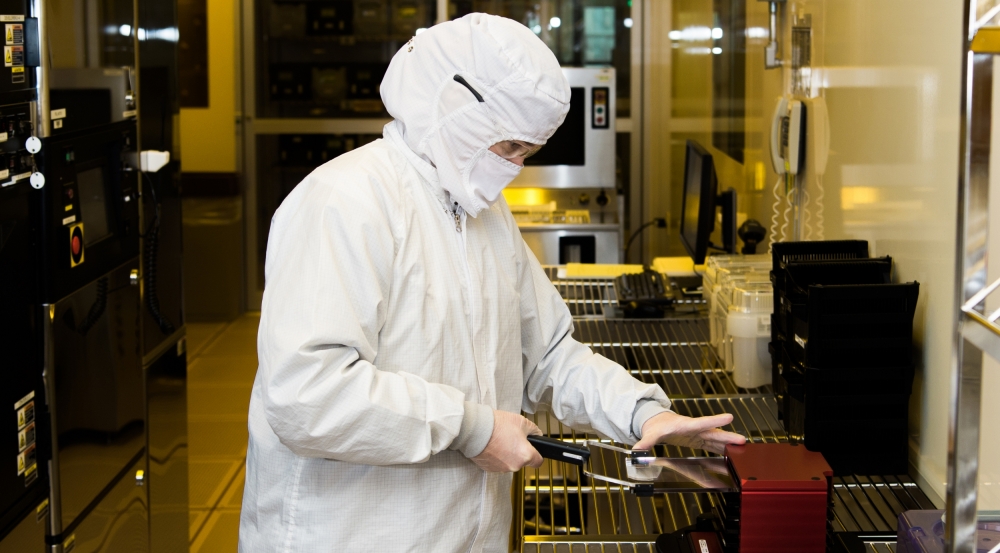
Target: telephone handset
(788, 157)
(788, 136)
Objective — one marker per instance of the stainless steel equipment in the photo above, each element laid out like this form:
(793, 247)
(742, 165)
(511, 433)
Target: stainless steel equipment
(581, 154)
(572, 243)
(565, 199)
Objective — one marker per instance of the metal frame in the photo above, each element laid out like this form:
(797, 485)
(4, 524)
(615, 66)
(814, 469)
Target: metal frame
(975, 332)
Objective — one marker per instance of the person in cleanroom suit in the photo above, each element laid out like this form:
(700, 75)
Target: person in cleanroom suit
(405, 325)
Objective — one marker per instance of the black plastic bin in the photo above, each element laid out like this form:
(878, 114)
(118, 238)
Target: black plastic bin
(783, 253)
(792, 298)
(856, 417)
(855, 326)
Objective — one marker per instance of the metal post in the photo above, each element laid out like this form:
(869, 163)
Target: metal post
(43, 125)
(970, 278)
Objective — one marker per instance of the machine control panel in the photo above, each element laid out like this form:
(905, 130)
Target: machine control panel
(16, 162)
(599, 108)
(89, 215)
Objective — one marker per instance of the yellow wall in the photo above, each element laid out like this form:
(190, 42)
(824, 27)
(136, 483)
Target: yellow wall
(208, 135)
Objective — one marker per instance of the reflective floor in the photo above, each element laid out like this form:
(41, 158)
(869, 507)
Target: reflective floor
(222, 362)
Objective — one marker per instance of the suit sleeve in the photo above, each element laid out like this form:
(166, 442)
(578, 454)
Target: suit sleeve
(582, 389)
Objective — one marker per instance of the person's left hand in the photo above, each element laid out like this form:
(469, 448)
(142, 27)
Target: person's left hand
(697, 433)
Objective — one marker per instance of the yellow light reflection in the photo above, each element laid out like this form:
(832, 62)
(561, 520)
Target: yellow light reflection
(758, 176)
(854, 197)
(524, 196)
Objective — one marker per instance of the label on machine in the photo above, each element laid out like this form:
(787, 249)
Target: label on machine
(14, 33)
(27, 458)
(13, 56)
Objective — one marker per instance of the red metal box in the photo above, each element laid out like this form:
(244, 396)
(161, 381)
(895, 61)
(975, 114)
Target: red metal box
(785, 493)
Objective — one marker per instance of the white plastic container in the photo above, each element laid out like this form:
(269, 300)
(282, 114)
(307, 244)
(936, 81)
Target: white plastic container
(728, 282)
(748, 326)
(718, 268)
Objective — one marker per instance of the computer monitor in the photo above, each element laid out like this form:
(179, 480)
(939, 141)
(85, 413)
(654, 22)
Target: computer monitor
(700, 203)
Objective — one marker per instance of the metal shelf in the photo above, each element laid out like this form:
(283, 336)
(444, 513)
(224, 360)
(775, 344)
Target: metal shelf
(975, 332)
(559, 510)
(980, 329)
(674, 353)
(594, 297)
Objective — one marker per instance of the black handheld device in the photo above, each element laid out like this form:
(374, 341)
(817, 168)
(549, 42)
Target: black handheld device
(558, 450)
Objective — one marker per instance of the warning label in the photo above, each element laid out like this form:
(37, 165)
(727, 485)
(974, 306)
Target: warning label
(13, 56)
(26, 455)
(14, 33)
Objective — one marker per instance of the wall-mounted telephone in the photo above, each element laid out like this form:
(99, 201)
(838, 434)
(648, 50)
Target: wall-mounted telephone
(800, 134)
(788, 136)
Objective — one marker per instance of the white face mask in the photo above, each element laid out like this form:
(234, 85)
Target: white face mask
(490, 174)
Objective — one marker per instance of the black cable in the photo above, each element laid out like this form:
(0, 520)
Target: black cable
(152, 238)
(659, 221)
(97, 308)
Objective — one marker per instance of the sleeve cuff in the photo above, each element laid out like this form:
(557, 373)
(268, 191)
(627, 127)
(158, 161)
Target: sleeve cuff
(476, 430)
(645, 409)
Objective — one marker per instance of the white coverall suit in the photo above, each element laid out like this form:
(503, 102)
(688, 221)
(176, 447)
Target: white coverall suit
(400, 310)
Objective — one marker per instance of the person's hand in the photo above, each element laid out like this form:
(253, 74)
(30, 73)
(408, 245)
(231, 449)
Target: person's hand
(508, 449)
(696, 433)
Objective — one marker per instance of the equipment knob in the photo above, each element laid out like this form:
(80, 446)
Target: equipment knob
(602, 199)
(584, 198)
(37, 181)
(33, 145)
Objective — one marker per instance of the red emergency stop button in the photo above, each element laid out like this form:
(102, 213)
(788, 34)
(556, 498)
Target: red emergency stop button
(76, 245)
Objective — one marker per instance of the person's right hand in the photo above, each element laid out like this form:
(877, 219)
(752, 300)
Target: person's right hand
(508, 449)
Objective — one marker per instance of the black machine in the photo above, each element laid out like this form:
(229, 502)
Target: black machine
(24, 437)
(71, 229)
(87, 228)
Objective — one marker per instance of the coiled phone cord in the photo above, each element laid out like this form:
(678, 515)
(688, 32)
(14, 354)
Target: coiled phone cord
(775, 214)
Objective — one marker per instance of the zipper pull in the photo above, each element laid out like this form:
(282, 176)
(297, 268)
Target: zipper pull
(458, 221)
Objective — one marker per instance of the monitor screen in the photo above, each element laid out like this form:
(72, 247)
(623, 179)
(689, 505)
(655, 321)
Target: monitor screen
(698, 207)
(568, 145)
(93, 205)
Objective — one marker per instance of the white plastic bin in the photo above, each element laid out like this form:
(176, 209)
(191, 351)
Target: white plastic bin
(748, 326)
(718, 269)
